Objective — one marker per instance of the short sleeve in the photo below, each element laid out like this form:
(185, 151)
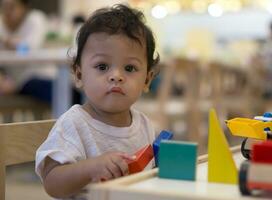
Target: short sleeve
(63, 145)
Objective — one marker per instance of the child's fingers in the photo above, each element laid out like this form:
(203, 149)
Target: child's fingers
(106, 175)
(127, 157)
(122, 166)
(114, 168)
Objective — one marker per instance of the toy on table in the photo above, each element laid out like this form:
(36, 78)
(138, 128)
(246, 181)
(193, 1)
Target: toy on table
(221, 165)
(164, 135)
(257, 173)
(143, 157)
(177, 160)
(254, 130)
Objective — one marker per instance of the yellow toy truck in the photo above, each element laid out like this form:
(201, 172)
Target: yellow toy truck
(254, 130)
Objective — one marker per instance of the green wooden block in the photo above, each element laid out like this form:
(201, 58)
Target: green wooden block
(177, 160)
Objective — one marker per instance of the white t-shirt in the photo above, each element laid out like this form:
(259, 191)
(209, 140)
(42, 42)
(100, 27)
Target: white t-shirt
(77, 136)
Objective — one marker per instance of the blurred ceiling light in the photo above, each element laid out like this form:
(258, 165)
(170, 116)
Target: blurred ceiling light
(159, 11)
(230, 5)
(141, 4)
(260, 3)
(199, 6)
(235, 5)
(216, 7)
(269, 7)
(215, 10)
(173, 6)
(185, 4)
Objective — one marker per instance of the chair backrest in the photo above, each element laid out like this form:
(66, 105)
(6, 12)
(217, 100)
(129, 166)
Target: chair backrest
(18, 144)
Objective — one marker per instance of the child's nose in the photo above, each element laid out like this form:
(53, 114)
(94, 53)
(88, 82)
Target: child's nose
(116, 77)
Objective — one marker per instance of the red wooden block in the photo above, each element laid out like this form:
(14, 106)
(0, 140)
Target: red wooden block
(263, 186)
(143, 157)
(262, 152)
(259, 176)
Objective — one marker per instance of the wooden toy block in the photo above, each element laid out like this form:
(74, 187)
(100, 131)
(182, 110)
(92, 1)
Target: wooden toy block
(164, 135)
(221, 166)
(259, 176)
(262, 152)
(143, 157)
(255, 185)
(250, 128)
(177, 160)
(256, 174)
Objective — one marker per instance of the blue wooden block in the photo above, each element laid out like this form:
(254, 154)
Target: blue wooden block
(177, 160)
(164, 135)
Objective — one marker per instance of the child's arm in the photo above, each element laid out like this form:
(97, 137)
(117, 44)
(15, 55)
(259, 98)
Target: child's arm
(62, 181)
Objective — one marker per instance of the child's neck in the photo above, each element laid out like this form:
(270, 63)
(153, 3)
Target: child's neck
(122, 119)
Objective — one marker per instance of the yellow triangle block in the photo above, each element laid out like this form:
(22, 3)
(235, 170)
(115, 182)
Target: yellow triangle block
(221, 166)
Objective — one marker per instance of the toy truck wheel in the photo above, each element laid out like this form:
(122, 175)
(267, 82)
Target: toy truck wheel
(243, 178)
(245, 152)
(269, 136)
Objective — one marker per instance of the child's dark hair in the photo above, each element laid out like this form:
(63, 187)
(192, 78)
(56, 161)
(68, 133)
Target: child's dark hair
(24, 2)
(115, 20)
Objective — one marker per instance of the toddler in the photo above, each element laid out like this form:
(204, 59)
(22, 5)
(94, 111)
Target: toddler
(114, 64)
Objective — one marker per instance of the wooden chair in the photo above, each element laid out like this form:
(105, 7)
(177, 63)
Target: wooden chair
(18, 144)
(190, 70)
(9, 104)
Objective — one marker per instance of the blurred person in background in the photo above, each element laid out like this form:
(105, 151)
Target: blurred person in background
(20, 28)
(23, 29)
(21, 25)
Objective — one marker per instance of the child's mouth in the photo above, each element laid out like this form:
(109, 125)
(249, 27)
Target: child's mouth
(116, 90)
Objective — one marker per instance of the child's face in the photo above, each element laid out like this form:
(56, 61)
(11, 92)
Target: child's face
(113, 72)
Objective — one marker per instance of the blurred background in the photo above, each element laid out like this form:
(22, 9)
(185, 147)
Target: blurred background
(214, 54)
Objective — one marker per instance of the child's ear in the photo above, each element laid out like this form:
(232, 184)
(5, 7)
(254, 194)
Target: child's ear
(78, 77)
(149, 78)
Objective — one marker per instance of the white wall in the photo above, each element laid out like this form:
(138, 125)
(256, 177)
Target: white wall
(171, 30)
(241, 25)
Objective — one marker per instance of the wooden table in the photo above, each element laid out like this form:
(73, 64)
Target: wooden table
(61, 85)
(147, 186)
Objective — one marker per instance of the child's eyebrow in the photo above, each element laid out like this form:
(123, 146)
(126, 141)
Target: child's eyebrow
(135, 58)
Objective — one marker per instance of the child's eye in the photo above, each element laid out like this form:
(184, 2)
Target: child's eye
(130, 68)
(102, 67)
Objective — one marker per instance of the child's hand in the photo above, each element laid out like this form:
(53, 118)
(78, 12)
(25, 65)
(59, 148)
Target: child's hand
(110, 165)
